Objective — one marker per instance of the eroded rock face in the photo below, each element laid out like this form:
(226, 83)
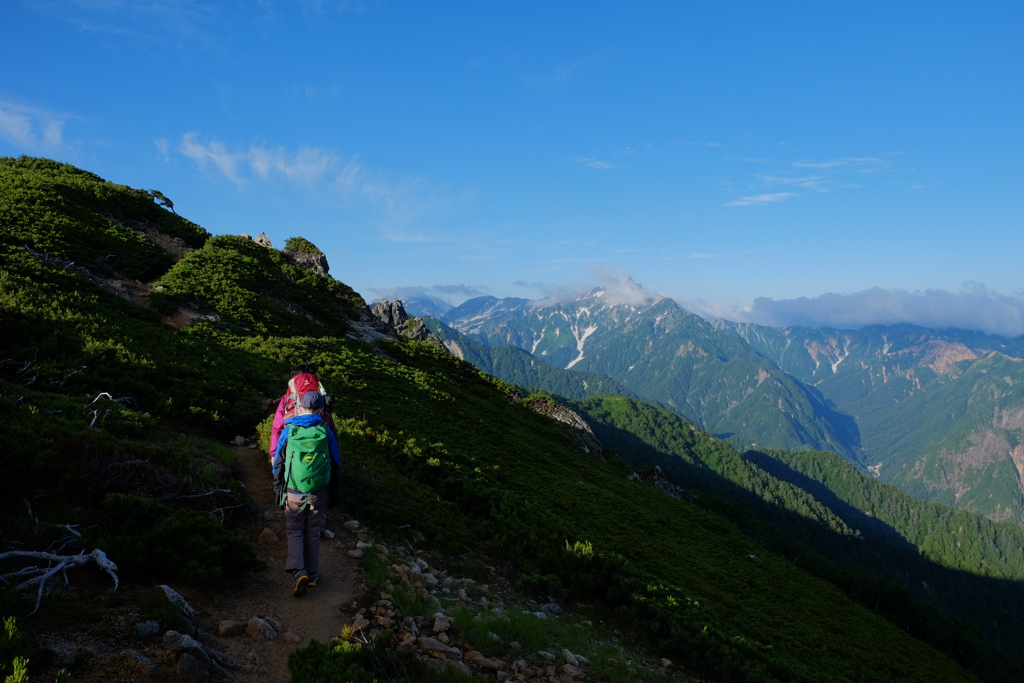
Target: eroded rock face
(316, 261)
(581, 432)
(658, 480)
(391, 315)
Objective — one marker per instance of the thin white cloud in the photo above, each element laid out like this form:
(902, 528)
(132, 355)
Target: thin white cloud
(698, 254)
(305, 167)
(974, 307)
(859, 162)
(212, 153)
(318, 8)
(757, 200)
(164, 147)
(406, 207)
(596, 163)
(555, 77)
(32, 130)
(817, 183)
(620, 288)
(183, 24)
(315, 93)
(828, 175)
(449, 294)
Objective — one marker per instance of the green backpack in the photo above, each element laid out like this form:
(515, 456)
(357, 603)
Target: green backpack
(307, 460)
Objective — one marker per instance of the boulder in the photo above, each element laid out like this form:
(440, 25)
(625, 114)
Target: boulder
(435, 648)
(147, 629)
(259, 629)
(570, 670)
(178, 601)
(180, 642)
(229, 628)
(191, 670)
(441, 622)
(477, 659)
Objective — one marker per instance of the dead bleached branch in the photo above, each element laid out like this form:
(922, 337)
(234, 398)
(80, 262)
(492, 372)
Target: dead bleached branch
(63, 563)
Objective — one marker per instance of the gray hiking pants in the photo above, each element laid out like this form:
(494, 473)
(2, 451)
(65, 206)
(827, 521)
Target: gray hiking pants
(303, 530)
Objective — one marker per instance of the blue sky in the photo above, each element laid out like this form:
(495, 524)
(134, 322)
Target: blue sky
(797, 162)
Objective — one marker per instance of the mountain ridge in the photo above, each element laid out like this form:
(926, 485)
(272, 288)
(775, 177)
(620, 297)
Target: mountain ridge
(908, 404)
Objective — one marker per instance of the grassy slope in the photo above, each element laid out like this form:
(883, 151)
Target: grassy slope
(429, 442)
(821, 504)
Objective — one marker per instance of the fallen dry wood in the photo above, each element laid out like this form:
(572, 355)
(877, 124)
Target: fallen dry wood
(63, 563)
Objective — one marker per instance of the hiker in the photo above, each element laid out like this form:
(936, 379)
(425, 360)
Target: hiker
(303, 379)
(306, 477)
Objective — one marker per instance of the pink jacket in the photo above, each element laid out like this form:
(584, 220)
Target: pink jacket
(297, 386)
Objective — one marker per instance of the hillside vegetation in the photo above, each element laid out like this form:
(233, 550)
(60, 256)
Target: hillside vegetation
(810, 505)
(111, 402)
(940, 412)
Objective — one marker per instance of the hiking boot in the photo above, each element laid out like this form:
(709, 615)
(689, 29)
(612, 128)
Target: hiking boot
(312, 580)
(301, 582)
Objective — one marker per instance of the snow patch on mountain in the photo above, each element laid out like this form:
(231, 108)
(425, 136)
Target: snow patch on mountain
(580, 341)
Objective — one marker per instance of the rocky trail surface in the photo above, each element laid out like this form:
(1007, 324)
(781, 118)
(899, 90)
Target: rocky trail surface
(241, 630)
(267, 594)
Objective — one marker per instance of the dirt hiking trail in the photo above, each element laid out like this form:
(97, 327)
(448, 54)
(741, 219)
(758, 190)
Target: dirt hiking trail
(319, 615)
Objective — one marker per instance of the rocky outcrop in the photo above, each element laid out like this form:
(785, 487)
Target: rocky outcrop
(581, 432)
(391, 315)
(658, 480)
(305, 254)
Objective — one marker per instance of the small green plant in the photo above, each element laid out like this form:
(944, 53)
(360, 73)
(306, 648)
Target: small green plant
(347, 659)
(15, 649)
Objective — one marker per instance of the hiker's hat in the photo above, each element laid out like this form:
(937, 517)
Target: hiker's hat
(304, 382)
(312, 400)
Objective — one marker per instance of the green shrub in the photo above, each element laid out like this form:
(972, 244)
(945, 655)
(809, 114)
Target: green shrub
(301, 244)
(151, 540)
(346, 659)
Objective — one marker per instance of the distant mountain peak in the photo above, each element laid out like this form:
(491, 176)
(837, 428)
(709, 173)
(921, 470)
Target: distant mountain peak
(626, 292)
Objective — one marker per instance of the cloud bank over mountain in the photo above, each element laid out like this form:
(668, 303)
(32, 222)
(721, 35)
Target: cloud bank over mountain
(975, 307)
